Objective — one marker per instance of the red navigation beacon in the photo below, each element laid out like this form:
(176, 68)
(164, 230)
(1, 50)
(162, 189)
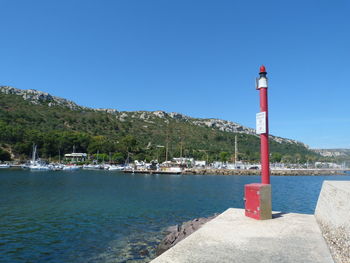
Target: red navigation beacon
(258, 196)
(262, 69)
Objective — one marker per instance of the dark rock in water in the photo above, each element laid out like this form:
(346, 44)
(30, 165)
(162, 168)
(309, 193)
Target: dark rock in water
(144, 252)
(178, 233)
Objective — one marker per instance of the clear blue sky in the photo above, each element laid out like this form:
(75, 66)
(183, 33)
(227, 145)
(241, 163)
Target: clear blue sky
(199, 58)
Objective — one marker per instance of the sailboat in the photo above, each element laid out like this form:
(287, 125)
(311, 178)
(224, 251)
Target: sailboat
(94, 166)
(36, 165)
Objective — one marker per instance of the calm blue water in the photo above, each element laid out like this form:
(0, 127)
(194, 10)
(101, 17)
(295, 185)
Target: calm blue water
(98, 216)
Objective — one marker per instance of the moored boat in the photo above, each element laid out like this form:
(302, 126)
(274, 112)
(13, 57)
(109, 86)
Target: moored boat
(39, 167)
(36, 165)
(4, 166)
(92, 167)
(70, 168)
(116, 168)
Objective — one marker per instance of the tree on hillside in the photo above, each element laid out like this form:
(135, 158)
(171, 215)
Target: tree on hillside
(128, 143)
(224, 156)
(276, 157)
(118, 157)
(287, 158)
(4, 155)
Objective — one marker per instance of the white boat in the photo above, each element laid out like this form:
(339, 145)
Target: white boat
(116, 168)
(92, 167)
(4, 165)
(55, 166)
(70, 168)
(39, 167)
(36, 165)
(105, 166)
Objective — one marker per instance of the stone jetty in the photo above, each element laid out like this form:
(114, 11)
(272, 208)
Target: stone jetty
(287, 237)
(282, 172)
(178, 233)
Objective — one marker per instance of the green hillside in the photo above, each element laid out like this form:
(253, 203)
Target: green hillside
(57, 128)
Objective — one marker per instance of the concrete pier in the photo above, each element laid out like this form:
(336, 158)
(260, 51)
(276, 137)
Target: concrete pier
(232, 237)
(333, 215)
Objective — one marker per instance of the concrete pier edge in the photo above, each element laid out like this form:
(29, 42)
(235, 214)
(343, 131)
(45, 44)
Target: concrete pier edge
(232, 237)
(333, 216)
(288, 237)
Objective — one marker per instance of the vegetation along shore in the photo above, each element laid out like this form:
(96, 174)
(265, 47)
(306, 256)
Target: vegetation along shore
(57, 126)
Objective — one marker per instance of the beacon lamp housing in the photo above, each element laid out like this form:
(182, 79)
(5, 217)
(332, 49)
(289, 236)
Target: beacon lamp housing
(261, 82)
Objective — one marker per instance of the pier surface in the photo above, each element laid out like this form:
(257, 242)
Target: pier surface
(332, 214)
(232, 237)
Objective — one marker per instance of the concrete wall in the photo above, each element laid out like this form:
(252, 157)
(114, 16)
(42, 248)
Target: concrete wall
(333, 216)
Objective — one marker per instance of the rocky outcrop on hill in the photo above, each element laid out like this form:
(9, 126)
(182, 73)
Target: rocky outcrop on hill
(37, 97)
(222, 125)
(178, 233)
(333, 152)
(111, 111)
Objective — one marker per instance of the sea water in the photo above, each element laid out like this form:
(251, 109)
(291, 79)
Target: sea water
(101, 216)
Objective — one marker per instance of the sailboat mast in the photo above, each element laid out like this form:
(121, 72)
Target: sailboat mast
(34, 153)
(166, 151)
(236, 150)
(167, 143)
(181, 149)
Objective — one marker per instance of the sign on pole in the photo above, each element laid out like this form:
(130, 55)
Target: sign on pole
(261, 122)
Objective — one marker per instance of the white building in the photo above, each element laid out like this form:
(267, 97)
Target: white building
(75, 157)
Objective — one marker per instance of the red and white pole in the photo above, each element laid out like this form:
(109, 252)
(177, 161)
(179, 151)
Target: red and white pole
(257, 197)
(264, 136)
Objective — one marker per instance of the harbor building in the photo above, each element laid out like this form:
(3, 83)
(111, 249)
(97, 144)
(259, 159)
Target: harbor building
(75, 157)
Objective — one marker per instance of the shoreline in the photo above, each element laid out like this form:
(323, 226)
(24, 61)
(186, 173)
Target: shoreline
(240, 172)
(210, 171)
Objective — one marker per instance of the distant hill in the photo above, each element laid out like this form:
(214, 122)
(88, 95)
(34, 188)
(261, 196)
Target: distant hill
(56, 125)
(340, 155)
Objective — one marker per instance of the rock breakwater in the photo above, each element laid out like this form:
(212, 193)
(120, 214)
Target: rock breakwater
(284, 172)
(178, 233)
